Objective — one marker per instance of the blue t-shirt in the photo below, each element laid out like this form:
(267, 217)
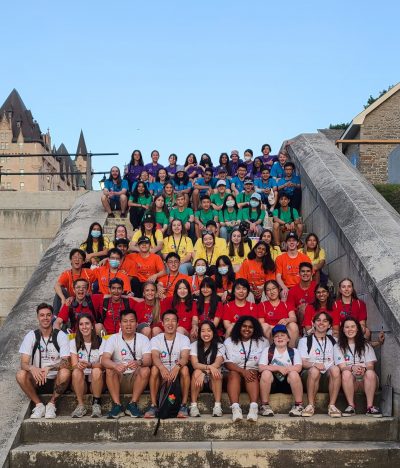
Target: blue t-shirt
(156, 187)
(260, 184)
(277, 171)
(288, 190)
(239, 184)
(201, 181)
(113, 187)
(180, 187)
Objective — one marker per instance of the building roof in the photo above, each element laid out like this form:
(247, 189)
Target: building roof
(21, 119)
(332, 134)
(68, 166)
(359, 119)
(81, 149)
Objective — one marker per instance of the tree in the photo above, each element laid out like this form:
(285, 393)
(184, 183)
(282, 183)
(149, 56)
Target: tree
(339, 126)
(371, 99)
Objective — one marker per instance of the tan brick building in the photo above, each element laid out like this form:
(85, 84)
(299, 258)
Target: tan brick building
(20, 135)
(379, 163)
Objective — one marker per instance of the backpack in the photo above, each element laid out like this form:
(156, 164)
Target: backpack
(72, 314)
(169, 401)
(291, 213)
(106, 303)
(309, 341)
(36, 346)
(271, 351)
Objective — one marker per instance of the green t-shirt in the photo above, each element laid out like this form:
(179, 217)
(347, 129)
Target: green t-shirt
(205, 216)
(170, 202)
(142, 200)
(224, 216)
(248, 214)
(182, 215)
(286, 216)
(161, 218)
(244, 197)
(217, 200)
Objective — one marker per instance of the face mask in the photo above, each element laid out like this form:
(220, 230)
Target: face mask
(230, 203)
(247, 158)
(254, 203)
(223, 270)
(95, 234)
(114, 263)
(200, 270)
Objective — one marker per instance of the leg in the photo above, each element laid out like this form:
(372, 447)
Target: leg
(194, 390)
(113, 381)
(195, 199)
(183, 331)
(216, 387)
(154, 384)
(313, 379)
(234, 381)
(253, 390)
(156, 331)
(296, 386)
(61, 384)
(79, 384)
(141, 381)
(26, 382)
(267, 330)
(123, 199)
(370, 382)
(348, 386)
(105, 201)
(185, 383)
(293, 330)
(299, 229)
(185, 268)
(335, 383)
(97, 384)
(265, 385)
(276, 228)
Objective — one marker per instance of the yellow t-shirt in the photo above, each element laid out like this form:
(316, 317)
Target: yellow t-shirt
(219, 249)
(182, 247)
(236, 260)
(275, 251)
(107, 245)
(158, 235)
(310, 254)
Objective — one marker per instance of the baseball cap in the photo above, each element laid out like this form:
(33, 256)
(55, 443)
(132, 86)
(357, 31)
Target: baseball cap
(280, 329)
(292, 235)
(222, 170)
(256, 195)
(248, 181)
(143, 239)
(148, 218)
(221, 182)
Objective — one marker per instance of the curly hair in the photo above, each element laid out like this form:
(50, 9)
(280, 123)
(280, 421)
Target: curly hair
(257, 333)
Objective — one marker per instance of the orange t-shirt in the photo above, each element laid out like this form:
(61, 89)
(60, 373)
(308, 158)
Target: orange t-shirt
(128, 265)
(104, 275)
(144, 267)
(169, 282)
(67, 278)
(289, 268)
(253, 272)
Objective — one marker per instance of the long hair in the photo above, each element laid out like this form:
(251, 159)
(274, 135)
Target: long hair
(153, 209)
(267, 263)
(177, 300)
(212, 350)
(231, 247)
(158, 174)
(187, 159)
(317, 250)
(89, 240)
(360, 343)
(205, 161)
(256, 169)
(115, 231)
(153, 230)
(226, 165)
(230, 275)
(330, 301)
(170, 232)
(214, 298)
(119, 180)
(257, 333)
(183, 181)
(133, 162)
(156, 312)
(94, 339)
(135, 193)
(353, 294)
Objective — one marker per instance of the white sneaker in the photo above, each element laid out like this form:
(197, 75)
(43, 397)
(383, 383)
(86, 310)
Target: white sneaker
(38, 411)
(267, 411)
(252, 414)
(50, 411)
(296, 411)
(194, 411)
(217, 411)
(237, 414)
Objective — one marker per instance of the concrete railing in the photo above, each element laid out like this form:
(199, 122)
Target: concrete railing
(360, 232)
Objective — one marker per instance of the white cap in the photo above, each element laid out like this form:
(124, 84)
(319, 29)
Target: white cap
(221, 182)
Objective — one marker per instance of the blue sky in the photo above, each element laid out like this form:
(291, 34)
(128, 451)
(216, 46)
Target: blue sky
(195, 76)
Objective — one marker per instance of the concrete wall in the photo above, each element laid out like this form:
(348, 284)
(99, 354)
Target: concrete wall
(28, 224)
(360, 232)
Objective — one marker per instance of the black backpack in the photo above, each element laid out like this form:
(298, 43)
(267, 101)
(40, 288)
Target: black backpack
(271, 351)
(38, 337)
(169, 401)
(72, 315)
(309, 341)
(106, 303)
(291, 213)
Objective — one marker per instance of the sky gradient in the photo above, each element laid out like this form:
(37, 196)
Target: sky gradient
(195, 76)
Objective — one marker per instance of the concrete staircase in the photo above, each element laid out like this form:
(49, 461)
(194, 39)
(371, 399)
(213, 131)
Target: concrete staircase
(111, 223)
(207, 441)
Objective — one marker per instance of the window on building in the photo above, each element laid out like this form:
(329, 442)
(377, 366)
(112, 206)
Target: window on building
(3, 159)
(22, 185)
(21, 171)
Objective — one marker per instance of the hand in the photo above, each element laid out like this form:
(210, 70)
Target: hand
(120, 368)
(152, 278)
(193, 333)
(132, 365)
(284, 293)
(173, 373)
(69, 301)
(82, 365)
(283, 321)
(283, 370)
(200, 380)
(215, 373)
(319, 366)
(257, 292)
(38, 375)
(250, 375)
(164, 373)
(224, 296)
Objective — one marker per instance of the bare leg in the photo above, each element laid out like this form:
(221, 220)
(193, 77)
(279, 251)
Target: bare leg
(370, 382)
(141, 381)
(296, 386)
(234, 381)
(252, 389)
(313, 379)
(265, 385)
(154, 384)
(78, 384)
(194, 390)
(216, 387)
(293, 330)
(26, 382)
(113, 381)
(61, 384)
(185, 384)
(106, 203)
(97, 382)
(335, 382)
(348, 386)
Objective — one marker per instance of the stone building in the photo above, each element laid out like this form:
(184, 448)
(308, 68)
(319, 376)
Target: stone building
(379, 163)
(20, 135)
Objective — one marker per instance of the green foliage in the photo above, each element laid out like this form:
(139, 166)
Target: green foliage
(371, 99)
(339, 126)
(391, 192)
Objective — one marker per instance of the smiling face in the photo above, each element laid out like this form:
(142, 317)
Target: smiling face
(267, 237)
(346, 288)
(173, 264)
(85, 327)
(241, 172)
(322, 295)
(281, 339)
(206, 333)
(206, 291)
(168, 189)
(305, 274)
(246, 330)
(282, 158)
(116, 291)
(162, 174)
(170, 323)
(350, 329)
(149, 292)
(240, 292)
(321, 324)
(272, 291)
(260, 251)
(176, 226)
(115, 172)
(208, 241)
(77, 261)
(155, 157)
(172, 160)
(128, 324)
(144, 247)
(44, 317)
(120, 233)
(236, 237)
(182, 291)
(291, 244)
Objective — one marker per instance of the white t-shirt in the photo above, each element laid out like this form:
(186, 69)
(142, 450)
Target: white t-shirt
(238, 353)
(280, 359)
(181, 343)
(47, 351)
(119, 350)
(350, 358)
(321, 352)
(220, 351)
(88, 354)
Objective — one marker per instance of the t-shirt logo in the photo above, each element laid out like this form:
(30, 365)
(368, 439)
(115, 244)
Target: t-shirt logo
(270, 313)
(236, 316)
(343, 313)
(163, 354)
(346, 357)
(41, 349)
(317, 352)
(124, 352)
(80, 355)
(242, 352)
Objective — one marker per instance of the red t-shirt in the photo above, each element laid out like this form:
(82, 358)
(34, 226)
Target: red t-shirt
(185, 317)
(310, 312)
(232, 312)
(272, 315)
(97, 301)
(218, 313)
(113, 314)
(144, 312)
(67, 278)
(299, 296)
(226, 286)
(356, 309)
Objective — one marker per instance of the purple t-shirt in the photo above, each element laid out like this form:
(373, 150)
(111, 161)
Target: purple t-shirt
(190, 170)
(171, 170)
(134, 172)
(269, 160)
(152, 170)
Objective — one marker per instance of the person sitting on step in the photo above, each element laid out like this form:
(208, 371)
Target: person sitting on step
(115, 193)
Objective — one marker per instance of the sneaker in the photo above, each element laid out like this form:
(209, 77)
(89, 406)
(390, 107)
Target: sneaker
(252, 415)
(308, 411)
(50, 411)
(132, 410)
(217, 411)
(151, 412)
(116, 412)
(96, 410)
(237, 414)
(374, 412)
(183, 412)
(79, 412)
(333, 412)
(194, 411)
(38, 411)
(349, 411)
(296, 411)
(123, 215)
(111, 215)
(266, 410)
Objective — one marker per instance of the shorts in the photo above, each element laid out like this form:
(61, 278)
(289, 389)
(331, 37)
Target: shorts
(281, 386)
(115, 204)
(323, 381)
(126, 382)
(47, 388)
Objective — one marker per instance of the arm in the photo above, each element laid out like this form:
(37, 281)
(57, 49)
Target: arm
(279, 280)
(107, 362)
(291, 319)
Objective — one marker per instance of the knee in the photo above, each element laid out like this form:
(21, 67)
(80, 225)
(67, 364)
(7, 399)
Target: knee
(122, 198)
(347, 376)
(21, 375)
(78, 374)
(110, 372)
(275, 225)
(335, 372)
(314, 373)
(97, 373)
(292, 328)
(196, 373)
(144, 372)
(154, 372)
(184, 371)
(64, 374)
(266, 376)
(294, 376)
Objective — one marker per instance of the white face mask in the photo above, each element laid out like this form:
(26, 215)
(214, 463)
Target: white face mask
(200, 270)
(223, 270)
(230, 203)
(247, 158)
(254, 203)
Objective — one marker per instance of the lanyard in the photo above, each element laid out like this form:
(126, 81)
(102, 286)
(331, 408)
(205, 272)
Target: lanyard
(90, 352)
(212, 254)
(246, 356)
(113, 315)
(46, 343)
(169, 285)
(320, 347)
(353, 354)
(195, 282)
(174, 244)
(169, 350)
(133, 353)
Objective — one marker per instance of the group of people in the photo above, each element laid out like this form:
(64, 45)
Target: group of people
(204, 293)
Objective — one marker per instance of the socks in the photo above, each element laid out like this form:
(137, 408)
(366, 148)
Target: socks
(235, 405)
(253, 405)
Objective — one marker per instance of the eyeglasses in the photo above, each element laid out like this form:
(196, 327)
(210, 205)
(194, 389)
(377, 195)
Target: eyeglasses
(272, 289)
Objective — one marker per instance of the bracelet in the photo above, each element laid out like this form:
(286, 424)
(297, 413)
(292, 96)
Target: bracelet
(179, 365)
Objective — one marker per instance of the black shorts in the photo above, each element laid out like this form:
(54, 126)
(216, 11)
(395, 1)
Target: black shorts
(47, 388)
(281, 387)
(115, 204)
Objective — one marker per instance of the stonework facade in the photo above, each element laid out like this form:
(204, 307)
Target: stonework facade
(20, 136)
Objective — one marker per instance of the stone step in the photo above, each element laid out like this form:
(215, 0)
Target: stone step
(279, 427)
(276, 454)
(279, 402)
